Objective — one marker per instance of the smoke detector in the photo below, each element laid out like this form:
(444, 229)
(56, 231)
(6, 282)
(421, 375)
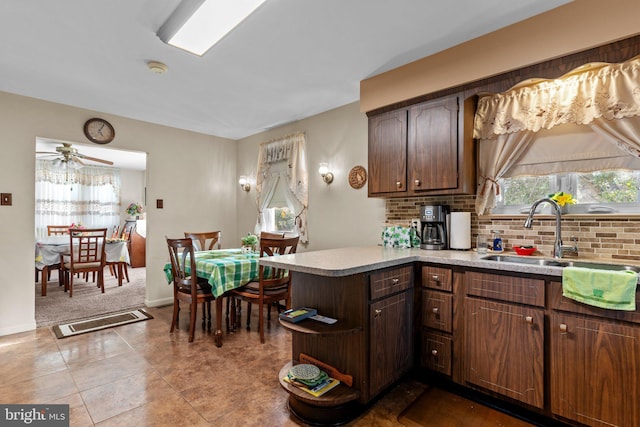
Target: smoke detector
(157, 67)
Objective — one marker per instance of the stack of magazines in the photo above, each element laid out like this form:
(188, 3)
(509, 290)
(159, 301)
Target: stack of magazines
(311, 379)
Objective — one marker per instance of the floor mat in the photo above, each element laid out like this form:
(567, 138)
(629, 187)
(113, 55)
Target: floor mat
(98, 323)
(439, 408)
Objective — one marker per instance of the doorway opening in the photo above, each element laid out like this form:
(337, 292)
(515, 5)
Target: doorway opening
(90, 186)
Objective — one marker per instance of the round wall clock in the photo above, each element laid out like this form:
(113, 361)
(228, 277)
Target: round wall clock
(357, 177)
(99, 131)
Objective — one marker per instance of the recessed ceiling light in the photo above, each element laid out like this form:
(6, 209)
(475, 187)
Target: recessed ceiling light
(197, 25)
(157, 67)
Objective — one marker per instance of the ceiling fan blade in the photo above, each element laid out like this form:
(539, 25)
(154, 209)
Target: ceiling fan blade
(77, 160)
(106, 162)
(46, 152)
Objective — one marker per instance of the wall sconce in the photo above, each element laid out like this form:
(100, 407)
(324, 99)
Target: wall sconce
(327, 176)
(244, 183)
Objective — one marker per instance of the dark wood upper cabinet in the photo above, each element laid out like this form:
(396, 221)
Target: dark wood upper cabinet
(423, 149)
(433, 145)
(388, 152)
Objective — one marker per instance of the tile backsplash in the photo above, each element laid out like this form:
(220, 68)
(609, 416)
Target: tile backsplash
(606, 237)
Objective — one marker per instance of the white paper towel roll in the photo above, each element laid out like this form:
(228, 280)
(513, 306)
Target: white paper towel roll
(460, 234)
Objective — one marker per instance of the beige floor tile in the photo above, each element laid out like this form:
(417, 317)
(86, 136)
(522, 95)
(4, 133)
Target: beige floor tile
(41, 390)
(171, 412)
(104, 371)
(86, 348)
(127, 393)
(78, 414)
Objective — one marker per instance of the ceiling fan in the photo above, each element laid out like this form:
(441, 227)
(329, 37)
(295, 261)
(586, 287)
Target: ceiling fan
(70, 155)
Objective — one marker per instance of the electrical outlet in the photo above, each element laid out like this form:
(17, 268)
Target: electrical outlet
(415, 223)
(5, 199)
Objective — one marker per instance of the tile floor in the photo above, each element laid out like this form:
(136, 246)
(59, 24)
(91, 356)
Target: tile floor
(141, 375)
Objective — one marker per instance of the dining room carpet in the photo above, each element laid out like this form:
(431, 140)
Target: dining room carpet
(88, 301)
(439, 408)
(99, 323)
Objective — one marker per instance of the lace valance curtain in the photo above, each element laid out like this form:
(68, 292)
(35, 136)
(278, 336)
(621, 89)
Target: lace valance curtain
(605, 97)
(89, 195)
(284, 159)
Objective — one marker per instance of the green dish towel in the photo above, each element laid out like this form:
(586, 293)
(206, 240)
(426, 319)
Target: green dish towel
(614, 290)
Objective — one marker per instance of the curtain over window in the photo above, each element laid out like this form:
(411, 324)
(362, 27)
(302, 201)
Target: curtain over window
(512, 127)
(284, 161)
(89, 195)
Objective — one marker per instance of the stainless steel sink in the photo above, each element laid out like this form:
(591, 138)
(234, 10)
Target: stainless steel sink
(560, 263)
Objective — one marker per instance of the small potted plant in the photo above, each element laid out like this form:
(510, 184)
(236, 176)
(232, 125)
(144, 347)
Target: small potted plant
(249, 243)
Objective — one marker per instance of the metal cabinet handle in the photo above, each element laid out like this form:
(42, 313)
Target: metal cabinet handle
(377, 313)
(435, 310)
(417, 182)
(395, 280)
(563, 327)
(398, 184)
(434, 352)
(528, 319)
(436, 278)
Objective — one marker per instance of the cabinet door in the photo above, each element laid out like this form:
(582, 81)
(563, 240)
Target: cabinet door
(433, 145)
(391, 339)
(504, 351)
(388, 152)
(595, 371)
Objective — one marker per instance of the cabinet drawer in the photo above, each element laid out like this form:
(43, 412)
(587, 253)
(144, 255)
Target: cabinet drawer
(437, 310)
(436, 352)
(388, 282)
(505, 288)
(436, 278)
(558, 302)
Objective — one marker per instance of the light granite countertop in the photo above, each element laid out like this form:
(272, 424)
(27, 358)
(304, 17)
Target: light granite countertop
(347, 261)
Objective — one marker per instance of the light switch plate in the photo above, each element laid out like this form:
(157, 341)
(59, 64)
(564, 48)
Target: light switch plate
(6, 199)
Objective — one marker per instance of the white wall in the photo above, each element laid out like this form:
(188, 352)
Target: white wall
(191, 172)
(339, 215)
(132, 184)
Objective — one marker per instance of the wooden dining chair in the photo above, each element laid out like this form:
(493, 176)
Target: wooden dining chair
(206, 241)
(54, 230)
(86, 255)
(273, 285)
(186, 287)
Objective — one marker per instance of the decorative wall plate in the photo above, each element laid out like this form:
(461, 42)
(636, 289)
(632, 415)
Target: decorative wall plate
(357, 177)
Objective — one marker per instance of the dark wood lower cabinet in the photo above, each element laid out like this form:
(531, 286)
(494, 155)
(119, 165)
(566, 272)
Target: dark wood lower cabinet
(505, 349)
(595, 371)
(391, 348)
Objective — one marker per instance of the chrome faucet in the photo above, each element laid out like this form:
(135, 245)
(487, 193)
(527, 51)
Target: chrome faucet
(558, 248)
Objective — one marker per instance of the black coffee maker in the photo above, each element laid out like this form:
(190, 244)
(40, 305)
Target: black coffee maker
(433, 220)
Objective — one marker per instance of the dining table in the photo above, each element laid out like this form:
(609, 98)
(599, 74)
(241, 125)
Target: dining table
(49, 248)
(224, 269)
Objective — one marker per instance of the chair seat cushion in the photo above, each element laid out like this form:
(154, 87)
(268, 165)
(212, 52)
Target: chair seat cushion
(82, 265)
(254, 287)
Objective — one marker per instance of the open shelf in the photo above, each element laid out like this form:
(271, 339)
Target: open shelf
(313, 327)
(337, 396)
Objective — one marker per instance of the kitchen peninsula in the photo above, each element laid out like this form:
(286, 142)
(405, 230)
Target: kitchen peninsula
(498, 328)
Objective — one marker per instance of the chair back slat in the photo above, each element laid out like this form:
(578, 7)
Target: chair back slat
(183, 264)
(57, 230)
(273, 276)
(205, 241)
(87, 245)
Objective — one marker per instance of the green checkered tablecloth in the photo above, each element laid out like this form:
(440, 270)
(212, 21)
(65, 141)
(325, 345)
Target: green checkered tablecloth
(224, 269)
